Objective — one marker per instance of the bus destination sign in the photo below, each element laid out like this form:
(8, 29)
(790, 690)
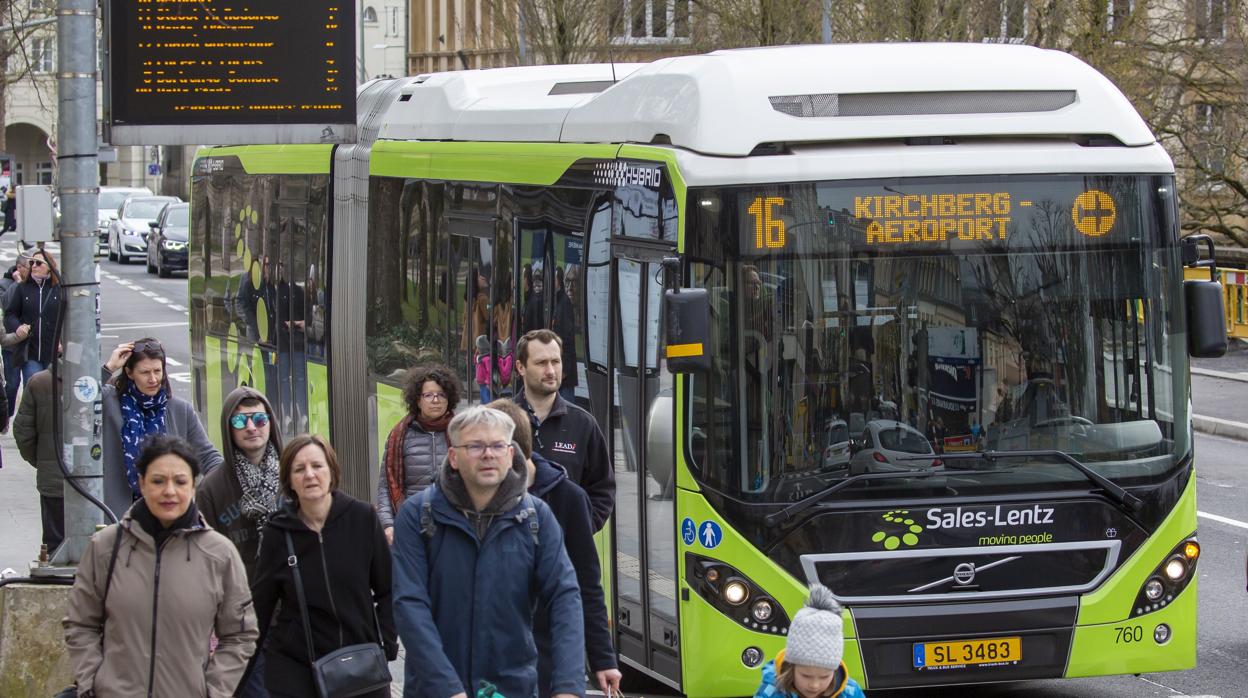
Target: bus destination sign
(218, 71)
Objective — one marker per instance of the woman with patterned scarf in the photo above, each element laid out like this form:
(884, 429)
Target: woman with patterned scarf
(417, 445)
(138, 402)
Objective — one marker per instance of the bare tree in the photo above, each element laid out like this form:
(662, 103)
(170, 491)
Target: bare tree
(552, 31)
(20, 58)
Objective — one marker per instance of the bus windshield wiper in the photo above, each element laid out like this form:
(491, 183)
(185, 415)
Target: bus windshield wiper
(788, 513)
(1111, 488)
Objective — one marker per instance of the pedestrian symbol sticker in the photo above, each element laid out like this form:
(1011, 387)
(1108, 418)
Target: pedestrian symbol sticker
(709, 534)
(688, 531)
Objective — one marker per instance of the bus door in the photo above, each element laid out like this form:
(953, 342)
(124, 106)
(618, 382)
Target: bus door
(471, 254)
(286, 376)
(645, 526)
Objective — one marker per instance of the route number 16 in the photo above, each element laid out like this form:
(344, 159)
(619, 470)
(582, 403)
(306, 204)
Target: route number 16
(768, 229)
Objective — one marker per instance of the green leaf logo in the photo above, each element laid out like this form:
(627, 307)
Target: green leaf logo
(899, 529)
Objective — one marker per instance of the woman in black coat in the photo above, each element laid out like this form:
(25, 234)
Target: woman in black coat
(37, 302)
(344, 563)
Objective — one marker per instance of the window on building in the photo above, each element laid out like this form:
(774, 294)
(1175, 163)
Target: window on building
(392, 21)
(650, 21)
(1118, 15)
(43, 55)
(1209, 149)
(1006, 21)
(43, 172)
(370, 15)
(1210, 18)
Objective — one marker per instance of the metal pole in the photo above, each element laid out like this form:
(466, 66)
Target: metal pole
(827, 21)
(78, 163)
(523, 38)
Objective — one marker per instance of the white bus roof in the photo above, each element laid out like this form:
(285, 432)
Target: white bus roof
(730, 102)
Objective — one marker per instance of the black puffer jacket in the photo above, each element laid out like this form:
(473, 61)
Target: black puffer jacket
(423, 453)
(38, 306)
(346, 580)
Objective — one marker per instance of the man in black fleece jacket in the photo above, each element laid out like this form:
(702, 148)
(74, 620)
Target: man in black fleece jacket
(568, 502)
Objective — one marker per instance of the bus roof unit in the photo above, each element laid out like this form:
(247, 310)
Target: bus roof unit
(791, 94)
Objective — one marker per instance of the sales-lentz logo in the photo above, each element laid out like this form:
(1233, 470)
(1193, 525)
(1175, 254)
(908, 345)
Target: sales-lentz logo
(210, 165)
(563, 447)
(618, 174)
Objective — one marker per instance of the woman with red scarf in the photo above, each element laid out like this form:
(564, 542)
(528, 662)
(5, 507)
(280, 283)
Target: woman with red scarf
(417, 445)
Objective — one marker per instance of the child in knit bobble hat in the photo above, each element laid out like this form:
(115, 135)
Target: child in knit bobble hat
(810, 664)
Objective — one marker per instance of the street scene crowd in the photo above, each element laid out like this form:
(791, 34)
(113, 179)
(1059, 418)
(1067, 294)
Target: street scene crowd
(256, 575)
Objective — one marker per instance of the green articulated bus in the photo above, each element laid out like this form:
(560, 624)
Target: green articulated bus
(905, 320)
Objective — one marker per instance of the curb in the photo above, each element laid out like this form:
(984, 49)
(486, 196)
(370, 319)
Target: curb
(1241, 377)
(1220, 427)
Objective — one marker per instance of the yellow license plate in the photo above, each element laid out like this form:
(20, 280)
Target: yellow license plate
(959, 653)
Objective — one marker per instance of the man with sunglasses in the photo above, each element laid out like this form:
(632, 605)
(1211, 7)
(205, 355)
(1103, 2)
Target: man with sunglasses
(238, 498)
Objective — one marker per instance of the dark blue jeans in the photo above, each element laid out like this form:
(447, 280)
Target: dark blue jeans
(30, 368)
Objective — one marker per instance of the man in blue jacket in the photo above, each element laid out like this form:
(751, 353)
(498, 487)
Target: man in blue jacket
(474, 558)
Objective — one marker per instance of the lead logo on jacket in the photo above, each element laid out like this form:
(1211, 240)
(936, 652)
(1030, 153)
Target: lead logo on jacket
(563, 447)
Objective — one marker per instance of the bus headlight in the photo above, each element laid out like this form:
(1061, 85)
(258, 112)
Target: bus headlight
(735, 592)
(1175, 569)
(1154, 589)
(736, 596)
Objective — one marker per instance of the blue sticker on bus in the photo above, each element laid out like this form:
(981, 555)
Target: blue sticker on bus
(709, 534)
(688, 531)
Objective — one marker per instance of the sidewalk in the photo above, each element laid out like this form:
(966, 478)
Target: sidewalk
(1219, 389)
(19, 509)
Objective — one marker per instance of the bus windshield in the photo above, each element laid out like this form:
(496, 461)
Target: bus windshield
(875, 326)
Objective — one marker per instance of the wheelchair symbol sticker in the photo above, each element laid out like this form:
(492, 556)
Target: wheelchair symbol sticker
(688, 531)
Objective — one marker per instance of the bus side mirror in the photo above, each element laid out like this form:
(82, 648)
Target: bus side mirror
(1206, 314)
(687, 325)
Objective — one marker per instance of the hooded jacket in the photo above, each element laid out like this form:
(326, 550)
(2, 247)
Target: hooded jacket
(842, 685)
(346, 580)
(570, 437)
(465, 595)
(570, 505)
(163, 606)
(423, 453)
(220, 491)
(33, 430)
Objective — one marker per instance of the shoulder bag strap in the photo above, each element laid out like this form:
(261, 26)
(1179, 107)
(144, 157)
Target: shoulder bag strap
(108, 579)
(292, 561)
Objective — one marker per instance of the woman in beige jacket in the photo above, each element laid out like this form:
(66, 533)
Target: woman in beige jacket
(175, 582)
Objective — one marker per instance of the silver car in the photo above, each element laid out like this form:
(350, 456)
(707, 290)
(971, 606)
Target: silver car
(888, 446)
(127, 236)
(111, 199)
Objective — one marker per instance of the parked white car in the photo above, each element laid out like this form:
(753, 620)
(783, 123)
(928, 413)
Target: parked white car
(888, 446)
(127, 236)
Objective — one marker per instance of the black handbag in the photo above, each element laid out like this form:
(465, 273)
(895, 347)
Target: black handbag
(347, 671)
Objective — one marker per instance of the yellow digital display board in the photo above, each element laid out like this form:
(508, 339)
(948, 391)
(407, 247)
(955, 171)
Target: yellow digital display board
(225, 62)
(962, 213)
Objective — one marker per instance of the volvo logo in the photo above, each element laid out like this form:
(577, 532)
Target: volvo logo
(964, 573)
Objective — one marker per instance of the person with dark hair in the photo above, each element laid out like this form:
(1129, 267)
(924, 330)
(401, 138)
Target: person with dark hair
(319, 527)
(570, 505)
(563, 322)
(418, 444)
(239, 498)
(34, 430)
(139, 401)
(10, 210)
(562, 432)
(139, 620)
(37, 302)
(15, 356)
